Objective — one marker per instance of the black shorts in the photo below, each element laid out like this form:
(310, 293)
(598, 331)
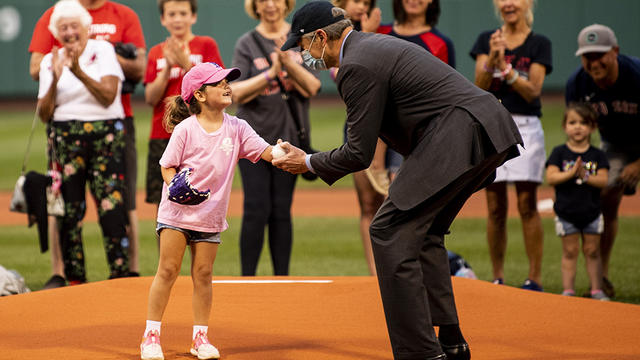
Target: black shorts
(154, 176)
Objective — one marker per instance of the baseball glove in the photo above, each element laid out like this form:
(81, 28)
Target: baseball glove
(182, 192)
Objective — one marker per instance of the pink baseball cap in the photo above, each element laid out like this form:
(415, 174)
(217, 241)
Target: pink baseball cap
(205, 73)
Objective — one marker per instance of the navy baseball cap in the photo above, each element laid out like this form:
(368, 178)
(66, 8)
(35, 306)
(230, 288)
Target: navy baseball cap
(310, 17)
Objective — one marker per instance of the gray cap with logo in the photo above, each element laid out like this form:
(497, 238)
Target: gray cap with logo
(596, 38)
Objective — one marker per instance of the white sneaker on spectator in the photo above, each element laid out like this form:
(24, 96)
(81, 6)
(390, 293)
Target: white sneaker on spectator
(600, 295)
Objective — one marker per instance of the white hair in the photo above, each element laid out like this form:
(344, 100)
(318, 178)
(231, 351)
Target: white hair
(68, 9)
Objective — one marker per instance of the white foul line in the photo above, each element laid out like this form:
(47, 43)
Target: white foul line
(271, 281)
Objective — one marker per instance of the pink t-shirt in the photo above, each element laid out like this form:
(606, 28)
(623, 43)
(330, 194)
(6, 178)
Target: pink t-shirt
(213, 156)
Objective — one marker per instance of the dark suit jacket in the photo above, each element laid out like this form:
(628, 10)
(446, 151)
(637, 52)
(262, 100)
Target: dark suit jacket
(420, 107)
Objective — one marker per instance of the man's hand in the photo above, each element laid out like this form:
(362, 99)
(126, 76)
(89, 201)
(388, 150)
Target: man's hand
(293, 161)
(182, 192)
(630, 174)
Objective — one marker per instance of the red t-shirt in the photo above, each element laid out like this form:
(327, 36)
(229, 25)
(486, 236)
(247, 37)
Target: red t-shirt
(112, 22)
(202, 49)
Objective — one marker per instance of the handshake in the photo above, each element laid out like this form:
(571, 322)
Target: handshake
(182, 192)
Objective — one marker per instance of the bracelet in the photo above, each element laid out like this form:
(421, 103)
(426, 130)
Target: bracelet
(266, 76)
(504, 73)
(513, 79)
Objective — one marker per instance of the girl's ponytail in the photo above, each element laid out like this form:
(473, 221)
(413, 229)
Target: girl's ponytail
(175, 111)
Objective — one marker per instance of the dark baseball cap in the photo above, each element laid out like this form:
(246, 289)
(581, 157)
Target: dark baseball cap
(310, 17)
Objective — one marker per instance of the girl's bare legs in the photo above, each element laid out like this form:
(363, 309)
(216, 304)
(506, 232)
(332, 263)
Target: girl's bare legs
(370, 201)
(155, 216)
(172, 246)
(203, 254)
(497, 205)
(593, 261)
(531, 227)
(570, 251)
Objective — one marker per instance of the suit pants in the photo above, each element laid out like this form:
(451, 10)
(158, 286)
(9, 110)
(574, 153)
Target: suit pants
(412, 263)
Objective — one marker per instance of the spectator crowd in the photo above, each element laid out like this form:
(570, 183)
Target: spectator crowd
(88, 62)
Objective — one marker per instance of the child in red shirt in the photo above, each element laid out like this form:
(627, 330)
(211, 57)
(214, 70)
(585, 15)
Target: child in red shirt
(167, 63)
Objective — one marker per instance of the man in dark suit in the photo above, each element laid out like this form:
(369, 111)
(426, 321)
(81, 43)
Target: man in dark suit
(452, 135)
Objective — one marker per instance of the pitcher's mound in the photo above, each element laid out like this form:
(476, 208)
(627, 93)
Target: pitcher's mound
(298, 318)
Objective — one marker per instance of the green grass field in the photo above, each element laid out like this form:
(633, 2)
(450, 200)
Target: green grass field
(326, 246)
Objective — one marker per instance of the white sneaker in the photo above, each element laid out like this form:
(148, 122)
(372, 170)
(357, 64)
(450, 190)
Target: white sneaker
(202, 348)
(150, 347)
(600, 295)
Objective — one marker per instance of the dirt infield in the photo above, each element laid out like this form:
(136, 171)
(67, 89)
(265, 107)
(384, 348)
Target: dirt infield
(338, 318)
(324, 202)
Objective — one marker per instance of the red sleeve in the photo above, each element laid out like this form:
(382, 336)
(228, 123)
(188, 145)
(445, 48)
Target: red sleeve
(133, 31)
(213, 53)
(42, 40)
(384, 29)
(151, 72)
(437, 46)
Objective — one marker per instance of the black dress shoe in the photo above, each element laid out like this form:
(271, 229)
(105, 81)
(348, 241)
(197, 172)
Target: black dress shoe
(55, 281)
(457, 351)
(439, 357)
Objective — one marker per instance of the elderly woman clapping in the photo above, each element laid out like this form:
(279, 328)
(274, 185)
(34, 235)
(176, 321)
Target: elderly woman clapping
(79, 98)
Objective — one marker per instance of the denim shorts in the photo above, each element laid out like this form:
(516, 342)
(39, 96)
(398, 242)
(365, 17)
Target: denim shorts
(563, 227)
(192, 235)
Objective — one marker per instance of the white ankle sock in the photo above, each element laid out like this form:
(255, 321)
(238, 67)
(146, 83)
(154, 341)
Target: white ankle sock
(197, 328)
(152, 326)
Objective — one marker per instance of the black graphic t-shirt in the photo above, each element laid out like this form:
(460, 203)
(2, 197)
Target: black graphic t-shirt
(576, 201)
(535, 49)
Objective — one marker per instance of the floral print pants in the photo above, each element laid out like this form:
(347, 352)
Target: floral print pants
(92, 151)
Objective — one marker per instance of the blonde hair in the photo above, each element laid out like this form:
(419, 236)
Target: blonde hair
(528, 16)
(250, 8)
(68, 9)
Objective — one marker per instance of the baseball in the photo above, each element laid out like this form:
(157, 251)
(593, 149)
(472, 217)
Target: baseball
(277, 151)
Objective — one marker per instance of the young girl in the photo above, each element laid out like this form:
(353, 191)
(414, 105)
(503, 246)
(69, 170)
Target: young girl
(202, 154)
(579, 171)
